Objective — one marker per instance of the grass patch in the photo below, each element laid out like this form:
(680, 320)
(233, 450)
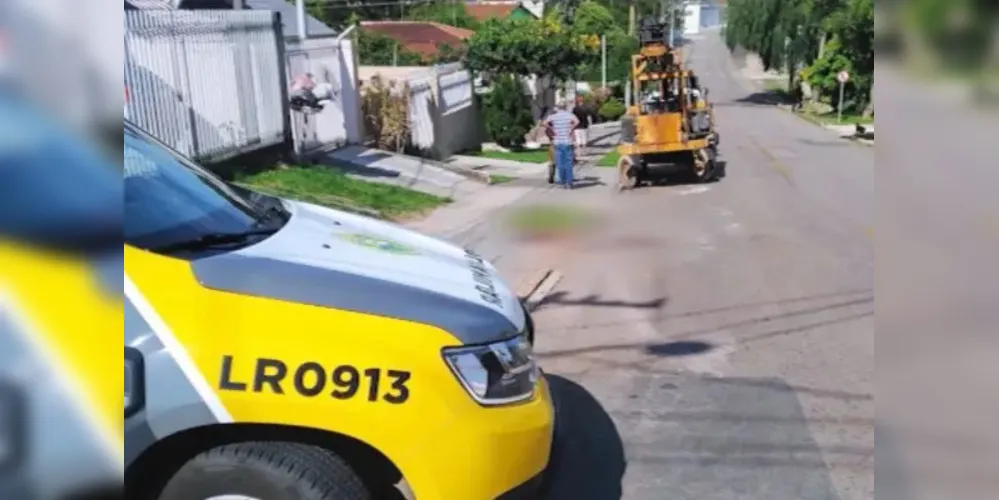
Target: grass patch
(610, 159)
(322, 185)
(495, 179)
(778, 85)
(526, 156)
(548, 220)
(831, 119)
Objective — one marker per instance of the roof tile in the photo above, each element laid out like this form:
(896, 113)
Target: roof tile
(420, 37)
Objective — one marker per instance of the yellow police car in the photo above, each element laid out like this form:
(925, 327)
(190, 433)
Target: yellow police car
(279, 350)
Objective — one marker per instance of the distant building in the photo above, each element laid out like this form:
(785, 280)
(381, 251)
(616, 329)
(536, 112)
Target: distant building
(525, 9)
(424, 38)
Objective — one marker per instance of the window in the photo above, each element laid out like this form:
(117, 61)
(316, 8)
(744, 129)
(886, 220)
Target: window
(169, 200)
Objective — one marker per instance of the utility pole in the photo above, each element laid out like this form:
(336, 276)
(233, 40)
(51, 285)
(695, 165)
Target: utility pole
(303, 32)
(631, 18)
(603, 61)
(672, 24)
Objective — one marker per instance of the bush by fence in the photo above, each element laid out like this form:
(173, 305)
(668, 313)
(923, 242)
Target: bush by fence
(386, 113)
(507, 112)
(612, 110)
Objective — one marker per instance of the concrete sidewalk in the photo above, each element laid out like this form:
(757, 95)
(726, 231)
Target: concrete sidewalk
(428, 176)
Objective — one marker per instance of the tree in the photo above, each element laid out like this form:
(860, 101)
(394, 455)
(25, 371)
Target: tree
(453, 14)
(620, 47)
(826, 36)
(447, 53)
(525, 47)
(376, 49)
(851, 48)
(591, 18)
(508, 116)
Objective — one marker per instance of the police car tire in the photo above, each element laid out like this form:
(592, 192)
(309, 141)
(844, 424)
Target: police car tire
(266, 471)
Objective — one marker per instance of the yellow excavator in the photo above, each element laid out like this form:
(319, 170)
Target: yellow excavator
(669, 127)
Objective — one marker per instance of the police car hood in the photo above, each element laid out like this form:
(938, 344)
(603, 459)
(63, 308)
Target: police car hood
(336, 259)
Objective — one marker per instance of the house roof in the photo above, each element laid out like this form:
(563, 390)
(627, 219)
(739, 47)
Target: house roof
(420, 37)
(483, 11)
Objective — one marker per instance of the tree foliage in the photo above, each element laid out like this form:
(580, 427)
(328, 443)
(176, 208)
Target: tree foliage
(595, 19)
(823, 36)
(376, 49)
(447, 53)
(526, 47)
(592, 18)
(507, 112)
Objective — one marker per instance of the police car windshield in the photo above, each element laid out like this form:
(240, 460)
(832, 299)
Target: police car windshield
(56, 190)
(170, 201)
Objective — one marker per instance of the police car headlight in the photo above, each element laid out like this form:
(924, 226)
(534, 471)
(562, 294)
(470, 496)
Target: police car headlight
(134, 382)
(496, 374)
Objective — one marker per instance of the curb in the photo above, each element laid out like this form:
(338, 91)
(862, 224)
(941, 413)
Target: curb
(473, 175)
(814, 121)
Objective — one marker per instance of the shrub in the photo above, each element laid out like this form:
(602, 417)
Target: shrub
(612, 109)
(507, 112)
(386, 113)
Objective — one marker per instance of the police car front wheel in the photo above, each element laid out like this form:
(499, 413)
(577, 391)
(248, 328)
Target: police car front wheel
(265, 471)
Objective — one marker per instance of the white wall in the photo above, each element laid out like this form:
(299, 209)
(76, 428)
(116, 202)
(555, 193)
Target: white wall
(443, 117)
(692, 23)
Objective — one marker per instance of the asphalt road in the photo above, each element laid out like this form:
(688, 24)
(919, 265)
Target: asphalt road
(717, 341)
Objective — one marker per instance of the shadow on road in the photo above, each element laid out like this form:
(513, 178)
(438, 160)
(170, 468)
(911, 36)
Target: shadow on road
(767, 98)
(681, 348)
(687, 340)
(561, 298)
(588, 458)
(666, 176)
(586, 182)
(825, 302)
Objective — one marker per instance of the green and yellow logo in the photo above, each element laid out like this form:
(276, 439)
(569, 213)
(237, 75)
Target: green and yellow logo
(383, 245)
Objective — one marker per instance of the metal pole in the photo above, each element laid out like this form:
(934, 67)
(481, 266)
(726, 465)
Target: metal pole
(839, 117)
(303, 31)
(603, 61)
(672, 23)
(237, 4)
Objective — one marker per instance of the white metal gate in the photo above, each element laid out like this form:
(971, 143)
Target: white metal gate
(320, 59)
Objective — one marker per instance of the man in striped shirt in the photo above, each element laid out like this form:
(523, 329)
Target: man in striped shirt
(561, 126)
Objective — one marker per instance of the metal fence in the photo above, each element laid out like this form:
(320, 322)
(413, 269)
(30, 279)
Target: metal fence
(209, 83)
